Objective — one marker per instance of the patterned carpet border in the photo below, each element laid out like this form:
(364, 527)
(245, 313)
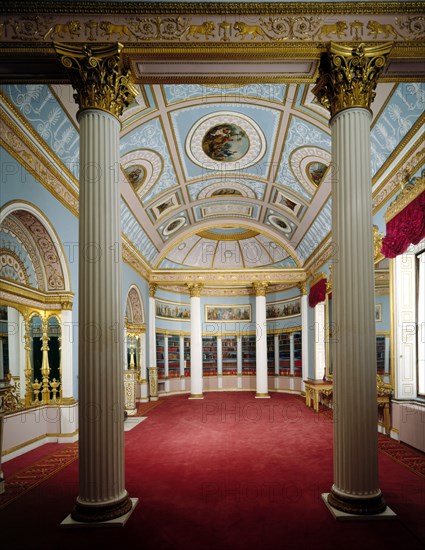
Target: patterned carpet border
(29, 477)
(410, 458)
(143, 408)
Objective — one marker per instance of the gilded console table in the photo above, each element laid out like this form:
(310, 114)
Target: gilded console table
(315, 391)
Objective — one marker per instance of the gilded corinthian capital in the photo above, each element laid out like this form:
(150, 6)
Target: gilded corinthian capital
(195, 289)
(260, 288)
(97, 76)
(348, 75)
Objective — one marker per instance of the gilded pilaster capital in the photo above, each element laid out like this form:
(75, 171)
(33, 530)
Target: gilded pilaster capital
(195, 289)
(377, 243)
(260, 288)
(303, 288)
(97, 75)
(152, 289)
(348, 75)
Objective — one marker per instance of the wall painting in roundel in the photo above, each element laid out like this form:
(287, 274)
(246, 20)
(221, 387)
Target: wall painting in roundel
(135, 175)
(225, 143)
(316, 171)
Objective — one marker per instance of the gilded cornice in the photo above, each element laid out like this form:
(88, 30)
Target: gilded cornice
(21, 147)
(227, 278)
(408, 194)
(15, 294)
(213, 8)
(318, 277)
(411, 162)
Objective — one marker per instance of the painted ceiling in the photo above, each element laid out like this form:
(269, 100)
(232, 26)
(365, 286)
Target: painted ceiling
(223, 176)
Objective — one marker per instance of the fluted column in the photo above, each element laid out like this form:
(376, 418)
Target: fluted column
(103, 89)
(196, 387)
(152, 368)
(348, 77)
(67, 386)
(304, 333)
(261, 343)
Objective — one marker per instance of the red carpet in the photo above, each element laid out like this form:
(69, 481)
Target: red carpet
(229, 473)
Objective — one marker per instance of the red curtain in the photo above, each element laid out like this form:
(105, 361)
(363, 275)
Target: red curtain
(407, 227)
(317, 293)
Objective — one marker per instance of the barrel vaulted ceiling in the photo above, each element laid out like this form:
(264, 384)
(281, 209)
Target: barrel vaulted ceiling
(223, 176)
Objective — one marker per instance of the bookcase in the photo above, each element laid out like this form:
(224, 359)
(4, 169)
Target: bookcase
(248, 354)
(229, 355)
(186, 355)
(298, 354)
(284, 354)
(270, 354)
(380, 354)
(160, 358)
(209, 355)
(174, 356)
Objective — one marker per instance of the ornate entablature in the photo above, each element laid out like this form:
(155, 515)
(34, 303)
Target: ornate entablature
(156, 34)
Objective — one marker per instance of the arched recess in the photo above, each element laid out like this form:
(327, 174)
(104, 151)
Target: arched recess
(36, 284)
(135, 376)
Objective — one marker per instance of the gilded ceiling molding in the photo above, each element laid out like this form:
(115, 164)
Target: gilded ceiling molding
(260, 288)
(98, 77)
(14, 293)
(410, 163)
(212, 8)
(195, 289)
(227, 278)
(349, 75)
(22, 149)
(409, 193)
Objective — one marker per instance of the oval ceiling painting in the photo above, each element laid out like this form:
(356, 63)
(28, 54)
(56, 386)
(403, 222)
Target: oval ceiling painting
(316, 171)
(174, 225)
(279, 223)
(225, 143)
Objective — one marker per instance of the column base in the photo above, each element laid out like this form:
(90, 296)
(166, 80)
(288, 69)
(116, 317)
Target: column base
(262, 396)
(356, 507)
(154, 398)
(196, 396)
(96, 513)
(116, 522)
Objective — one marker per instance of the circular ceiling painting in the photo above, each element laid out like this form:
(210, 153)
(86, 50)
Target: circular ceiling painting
(225, 141)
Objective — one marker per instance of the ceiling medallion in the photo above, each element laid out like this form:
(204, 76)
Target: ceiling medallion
(279, 223)
(174, 225)
(225, 141)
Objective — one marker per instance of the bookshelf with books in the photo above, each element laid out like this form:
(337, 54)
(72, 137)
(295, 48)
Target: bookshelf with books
(229, 355)
(284, 354)
(248, 354)
(297, 354)
(186, 356)
(209, 355)
(174, 356)
(380, 354)
(270, 355)
(160, 355)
